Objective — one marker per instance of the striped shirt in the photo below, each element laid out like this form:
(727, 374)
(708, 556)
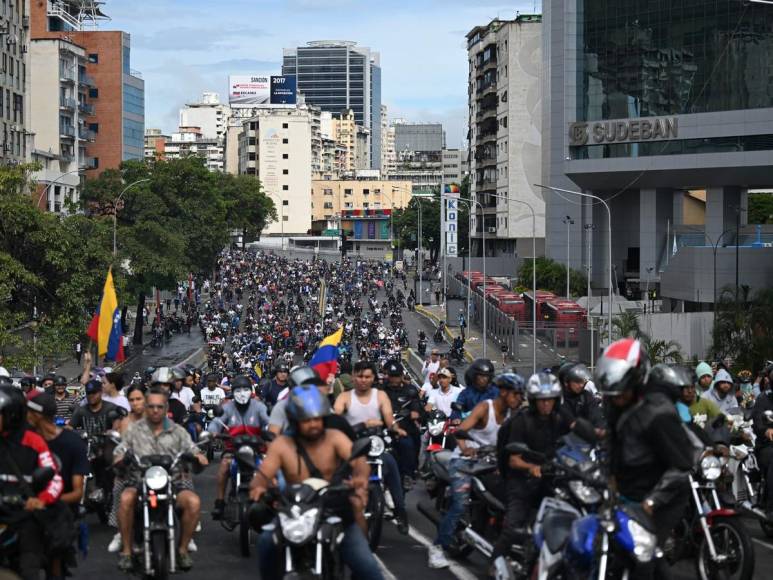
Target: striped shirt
(65, 406)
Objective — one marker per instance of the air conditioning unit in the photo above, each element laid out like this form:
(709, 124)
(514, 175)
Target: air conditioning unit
(491, 230)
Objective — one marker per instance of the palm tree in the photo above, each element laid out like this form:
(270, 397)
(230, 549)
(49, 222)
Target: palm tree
(626, 325)
(663, 351)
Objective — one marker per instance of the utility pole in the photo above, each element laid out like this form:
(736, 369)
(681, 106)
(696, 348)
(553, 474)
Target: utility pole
(569, 222)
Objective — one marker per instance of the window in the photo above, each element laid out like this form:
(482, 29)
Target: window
(348, 205)
(251, 141)
(285, 141)
(365, 192)
(365, 205)
(347, 192)
(93, 93)
(94, 58)
(328, 205)
(285, 188)
(285, 218)
(94, 163)
(328, 192)
(94, 127)
(252, 156)
(285, 202)
(377, 191)
(285, 156)
(285, 126)
(285, 172)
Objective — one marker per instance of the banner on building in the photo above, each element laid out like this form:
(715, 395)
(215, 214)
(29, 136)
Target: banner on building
(247, 91)
(451, 223)
(284, 90)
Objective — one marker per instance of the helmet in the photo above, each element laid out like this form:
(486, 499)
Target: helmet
(510, 381)
(162, 375)
(669, 380)
(4, 372)
(241, 387)
(60, 380)
(6, 381)
(178, 374)
(543, 386)
(13, 407)
(306, 402)
(281, 368)
(149, 372)
(47, 377)
(480, 366)
(241, 382)
(563, 370)
(393, 368)
(578, 373)
(303, 375)
(623, 365)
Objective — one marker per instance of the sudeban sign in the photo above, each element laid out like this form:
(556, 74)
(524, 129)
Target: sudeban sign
(625, 131)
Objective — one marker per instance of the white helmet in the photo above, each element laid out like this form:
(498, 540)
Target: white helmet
(543, 386)
(4, 372)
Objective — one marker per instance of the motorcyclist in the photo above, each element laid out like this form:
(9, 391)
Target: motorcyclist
(212, 394)
(22, 451)
(164, 378)
(65, 403)
(370, 407)
(93, 417)
(577, 400)
(722, 393)
(245, 415)
(479, 386)
(155, 434)
(313, 451)
(180, 390)
(651, 454)
(539, 426)
(270, 392)
(763, 428)
(482, 425)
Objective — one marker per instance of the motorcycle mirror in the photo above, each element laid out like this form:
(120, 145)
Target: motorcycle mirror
(768, 416)
(114, 436)
(205, 437)
(360, 448)
(517, 448)
(585, 430)
(40, 478)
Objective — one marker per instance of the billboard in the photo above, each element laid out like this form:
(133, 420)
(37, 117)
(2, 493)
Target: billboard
(249, 90)
(284, 90)
(451, 197)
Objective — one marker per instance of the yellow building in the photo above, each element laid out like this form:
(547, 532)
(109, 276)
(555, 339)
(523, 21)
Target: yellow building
(329, 197)
(345, 132)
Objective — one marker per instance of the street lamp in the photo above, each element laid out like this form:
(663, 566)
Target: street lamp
(609, 232)
(569, 222)
(115, 211)
(589, 228)
(45, 191)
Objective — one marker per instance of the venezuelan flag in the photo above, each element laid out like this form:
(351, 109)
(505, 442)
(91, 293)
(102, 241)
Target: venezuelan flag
(325, 359)
(105, 328)
(452, 188)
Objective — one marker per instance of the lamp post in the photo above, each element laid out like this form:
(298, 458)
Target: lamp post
(45, 191)
(569, 222)
(609, 232)
(115, 211)
(589, 228)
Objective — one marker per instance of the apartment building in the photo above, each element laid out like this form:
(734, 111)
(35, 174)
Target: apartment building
(16, 137)
(330, 197)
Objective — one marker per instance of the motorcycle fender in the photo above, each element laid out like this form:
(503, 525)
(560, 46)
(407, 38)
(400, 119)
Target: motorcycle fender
(720, 513)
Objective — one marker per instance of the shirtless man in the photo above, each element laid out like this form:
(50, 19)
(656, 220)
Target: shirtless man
(325, 451)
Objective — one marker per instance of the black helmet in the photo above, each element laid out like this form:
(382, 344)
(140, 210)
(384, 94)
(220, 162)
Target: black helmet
(6, 381)
(306, 402)
(178, 373)
(303, 375)
(281, 367)
(60, 380)
(47, 377)
(578, 373)
(241, 382)
(149, 372)
(13, 407)
(669, 380)
(480, 366)
(563, 370)
(623, 365)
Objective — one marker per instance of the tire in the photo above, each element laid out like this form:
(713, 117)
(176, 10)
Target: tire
(375, 507)
(730, 536)
(245, 531)
(160, 556)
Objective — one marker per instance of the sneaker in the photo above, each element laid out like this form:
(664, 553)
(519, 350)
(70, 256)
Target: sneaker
(125, 563)
(192, 547)
(437, 558)
(217, 511)
(184, 562)
(115, 544)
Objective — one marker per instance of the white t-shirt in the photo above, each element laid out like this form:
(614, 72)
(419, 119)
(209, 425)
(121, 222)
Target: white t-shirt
(185, 395)
(120, 400)
(430, 367)
(442, 401)
(212, 397)
(426, 388)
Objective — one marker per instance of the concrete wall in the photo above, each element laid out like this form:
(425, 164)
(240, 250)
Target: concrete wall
(691, 330)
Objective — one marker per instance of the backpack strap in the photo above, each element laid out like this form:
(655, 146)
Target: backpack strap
(303, 454)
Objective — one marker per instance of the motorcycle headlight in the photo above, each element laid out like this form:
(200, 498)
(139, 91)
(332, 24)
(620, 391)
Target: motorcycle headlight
(377, 446)
(711, 468)
(156, 478)
(586, 494)
(644, 542)
(436, 428)
(298, 528)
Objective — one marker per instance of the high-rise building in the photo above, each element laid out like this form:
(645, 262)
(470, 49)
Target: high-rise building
(191, 141)
(338, 76)
(155, 144)
(209, 114)
(456, 165)
(14, 147)
(505, 63)
(646, 104)
(275, 146)
(116, 93)
(418, 150)
(345, 132)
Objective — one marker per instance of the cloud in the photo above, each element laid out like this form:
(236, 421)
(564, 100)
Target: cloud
(183, 38)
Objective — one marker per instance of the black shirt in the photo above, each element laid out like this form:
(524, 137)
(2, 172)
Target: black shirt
(70, 451)
(540, 434)
(93, 423)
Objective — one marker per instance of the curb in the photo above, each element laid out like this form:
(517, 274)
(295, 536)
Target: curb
(436, 320)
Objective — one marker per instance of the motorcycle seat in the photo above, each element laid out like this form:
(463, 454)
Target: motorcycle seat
(478, 469)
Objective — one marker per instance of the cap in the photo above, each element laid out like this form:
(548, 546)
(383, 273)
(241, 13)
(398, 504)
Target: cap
(723, 376)
(93, 386)
(42, 403)
(444, 372)
(393, 369)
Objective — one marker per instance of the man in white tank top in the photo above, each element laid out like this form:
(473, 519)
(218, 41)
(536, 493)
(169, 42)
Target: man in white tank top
(483, 426)
(369, 407)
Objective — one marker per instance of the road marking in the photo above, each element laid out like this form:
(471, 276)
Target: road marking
(763, 544)
(456, 569)
(384, 570)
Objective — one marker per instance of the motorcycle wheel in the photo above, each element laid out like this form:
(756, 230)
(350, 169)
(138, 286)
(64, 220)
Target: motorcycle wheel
(375, 508)
(731, 539)
(160, 558)
(245, 531)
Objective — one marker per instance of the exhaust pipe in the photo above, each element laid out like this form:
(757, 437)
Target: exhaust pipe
(428, 512)
(477, 541)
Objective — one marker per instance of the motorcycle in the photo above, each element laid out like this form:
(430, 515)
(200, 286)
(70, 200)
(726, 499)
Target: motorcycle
(439, 331)
(380, 505)
(306, 529)
(97, 497)
(249, 451)
(422, 347)
(457, 354)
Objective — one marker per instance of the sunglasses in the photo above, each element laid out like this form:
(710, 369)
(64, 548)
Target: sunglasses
(155, 407)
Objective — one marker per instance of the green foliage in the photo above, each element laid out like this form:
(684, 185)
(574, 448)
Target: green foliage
(626, 325)
(761, 208)
(743, 328)
(551, 276)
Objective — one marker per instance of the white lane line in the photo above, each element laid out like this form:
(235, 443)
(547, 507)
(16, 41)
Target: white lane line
(763, 544)
(384, 570)
(456, 569)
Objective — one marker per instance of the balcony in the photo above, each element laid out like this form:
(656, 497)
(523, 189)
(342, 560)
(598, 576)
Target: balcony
(485, 185)
(86, 109)
(88, 163)
(86, 80)
(66, 76)
(487, 89)
(87, 135)
(67, 103)
(67, 131)
(487, 113)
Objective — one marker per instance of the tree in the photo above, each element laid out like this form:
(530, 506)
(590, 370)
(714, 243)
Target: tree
(743, 327)
(662, 351)
(626, 325)
(551, 276)
(761, 208)
(248, 208)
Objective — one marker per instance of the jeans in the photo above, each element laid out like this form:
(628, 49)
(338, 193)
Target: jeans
(392, 481)
(460, 492)
(354, 550)
(406, 450)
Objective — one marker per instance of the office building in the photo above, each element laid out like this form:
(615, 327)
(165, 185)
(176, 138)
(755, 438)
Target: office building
(338, 76)
(505, 70)
(14, 84)
(275, 146)
(418, 154)
(57, 108)
(654, 107)
(115, 92)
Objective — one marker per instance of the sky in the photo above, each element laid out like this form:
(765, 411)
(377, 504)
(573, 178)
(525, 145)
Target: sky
(185, 47)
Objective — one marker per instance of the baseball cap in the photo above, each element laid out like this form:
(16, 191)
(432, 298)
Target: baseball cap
(445, 373)
(42, 403)
(394, 369)
(93, 386)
